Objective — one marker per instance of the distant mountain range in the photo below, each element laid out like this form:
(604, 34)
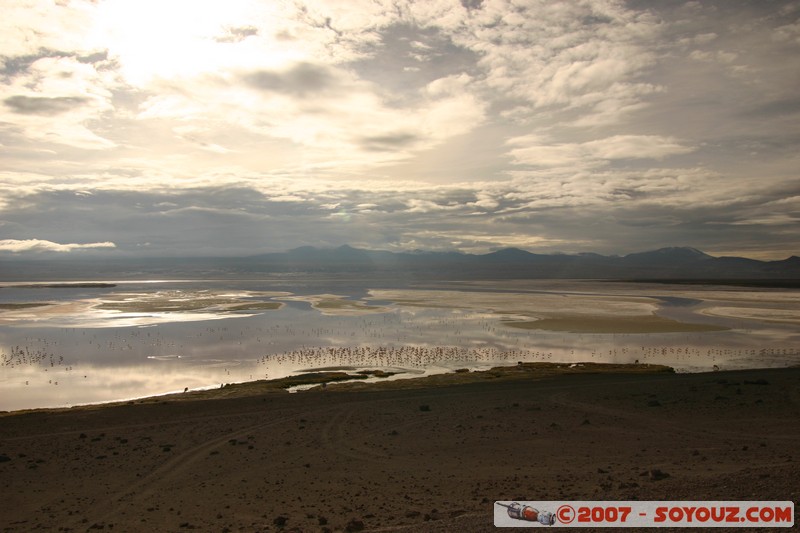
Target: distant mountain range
(509, 263)
(664, 263)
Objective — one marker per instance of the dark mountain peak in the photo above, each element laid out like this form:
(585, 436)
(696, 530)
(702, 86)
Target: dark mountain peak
(302, 249)
(303, 253)
(688, 251)
(431, 253)
(684, 251)
(673, 253)
(510, 253)
(346, 251)
(507, 263)
(312, 251)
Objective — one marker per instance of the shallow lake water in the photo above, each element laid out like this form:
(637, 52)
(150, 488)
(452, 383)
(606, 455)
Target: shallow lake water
(62, 346)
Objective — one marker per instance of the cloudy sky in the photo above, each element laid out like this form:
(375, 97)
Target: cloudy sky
(188, 127)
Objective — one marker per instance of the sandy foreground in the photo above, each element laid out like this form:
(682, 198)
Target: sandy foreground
(429, 457)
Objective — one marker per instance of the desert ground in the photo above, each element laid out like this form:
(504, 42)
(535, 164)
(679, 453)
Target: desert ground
(424, 455)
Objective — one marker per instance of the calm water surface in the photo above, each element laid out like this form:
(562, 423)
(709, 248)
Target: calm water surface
(98, 344)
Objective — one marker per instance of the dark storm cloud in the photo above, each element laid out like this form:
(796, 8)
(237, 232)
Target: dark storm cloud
(140, 221)
(243, 221)
(710, 226)
(43, 105)
(301, 80)
(214, 220)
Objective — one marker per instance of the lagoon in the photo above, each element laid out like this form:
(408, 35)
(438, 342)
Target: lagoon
(64, 344)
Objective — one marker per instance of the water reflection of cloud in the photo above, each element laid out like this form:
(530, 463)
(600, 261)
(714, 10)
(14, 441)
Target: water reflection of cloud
(337, 305)
(142, 308)
(787, 316)
(110, 319)
(522, 304)
(32, 388)
(121, 358)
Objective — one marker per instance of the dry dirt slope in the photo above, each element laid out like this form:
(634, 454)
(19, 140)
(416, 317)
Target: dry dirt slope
(430, 459)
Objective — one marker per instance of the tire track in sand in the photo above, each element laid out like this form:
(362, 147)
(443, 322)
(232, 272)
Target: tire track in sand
(176, 466)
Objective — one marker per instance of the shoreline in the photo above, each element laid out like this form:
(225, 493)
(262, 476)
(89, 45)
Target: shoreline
(429, 458)
(352, 379)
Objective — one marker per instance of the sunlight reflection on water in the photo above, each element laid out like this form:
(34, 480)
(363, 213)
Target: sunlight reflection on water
(76, 352)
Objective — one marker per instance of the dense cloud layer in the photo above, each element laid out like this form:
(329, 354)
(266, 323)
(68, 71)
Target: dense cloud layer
(195, 128)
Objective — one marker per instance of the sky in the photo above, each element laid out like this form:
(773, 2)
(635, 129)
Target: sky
(186, 127)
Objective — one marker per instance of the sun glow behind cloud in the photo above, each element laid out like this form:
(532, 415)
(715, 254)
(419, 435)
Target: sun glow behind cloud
(160, 41)
(517, 121)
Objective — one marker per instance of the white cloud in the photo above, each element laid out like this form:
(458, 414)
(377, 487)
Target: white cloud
(55, 100)
(38, 245)
(416, 205)
(789, 33)
(511, 109)
(718, 56)
(29, 26)
(529, 150)
(537, 151)
(636, 147)
(449, 85)
(561, 54)
(701, 39)
(324, 109)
